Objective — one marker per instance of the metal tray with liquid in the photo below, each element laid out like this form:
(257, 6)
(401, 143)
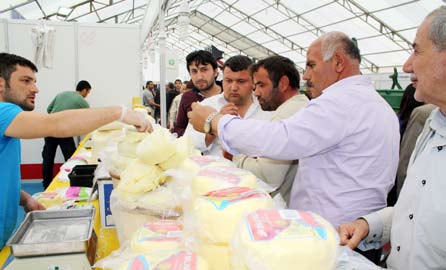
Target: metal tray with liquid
(53, 232)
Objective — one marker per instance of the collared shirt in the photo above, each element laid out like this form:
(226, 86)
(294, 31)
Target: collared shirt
(217, 102)
(279, 174)
(347, 144)
(417, 223)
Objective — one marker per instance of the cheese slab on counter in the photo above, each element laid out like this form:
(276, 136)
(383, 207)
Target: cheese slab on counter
(157, 235)
(219, 212)
(212, 178)
(286, 240)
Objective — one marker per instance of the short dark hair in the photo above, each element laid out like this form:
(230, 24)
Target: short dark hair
(8, 63)
(83, 85)
(238, 63)
(171, 85)
(200, 57)
(147, 83)
(178, 80)
(278, 66)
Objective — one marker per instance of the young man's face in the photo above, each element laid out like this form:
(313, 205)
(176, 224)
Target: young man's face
(178, 85)
(22, 88)
(266, 93)
(237, 86)
(203, 76)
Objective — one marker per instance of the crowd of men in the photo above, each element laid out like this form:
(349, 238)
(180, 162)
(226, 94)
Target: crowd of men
(335, 155)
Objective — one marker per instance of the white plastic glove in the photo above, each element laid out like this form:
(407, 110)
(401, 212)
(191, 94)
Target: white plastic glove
(137, 119)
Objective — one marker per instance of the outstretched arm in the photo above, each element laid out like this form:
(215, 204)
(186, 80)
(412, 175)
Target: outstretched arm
(29, 125)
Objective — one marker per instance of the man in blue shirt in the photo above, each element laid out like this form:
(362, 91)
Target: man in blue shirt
(17, 96)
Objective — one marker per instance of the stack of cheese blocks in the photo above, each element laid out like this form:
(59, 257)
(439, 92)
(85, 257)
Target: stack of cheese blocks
(222, 194)
(157, 245)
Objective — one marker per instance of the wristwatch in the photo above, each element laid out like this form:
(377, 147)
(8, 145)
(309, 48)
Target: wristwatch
(207, 123)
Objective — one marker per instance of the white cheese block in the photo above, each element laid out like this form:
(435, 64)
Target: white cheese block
(127, 145)
(139, 177)
(219, 177)
(219, 212)
(166, 260)
(157, 235)
(217, 256)
(156, 147)
(184, 149)
(285, 240)
(195, 163)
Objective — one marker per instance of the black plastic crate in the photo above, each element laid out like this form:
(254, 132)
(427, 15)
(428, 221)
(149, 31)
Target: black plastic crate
(82, 175)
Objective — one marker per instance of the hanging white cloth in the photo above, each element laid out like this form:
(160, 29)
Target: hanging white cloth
(44, 40)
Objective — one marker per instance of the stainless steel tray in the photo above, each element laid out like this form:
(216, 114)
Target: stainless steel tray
(53, 232)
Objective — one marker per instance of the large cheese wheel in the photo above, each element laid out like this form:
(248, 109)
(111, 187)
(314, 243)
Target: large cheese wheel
(157, 235)
(195, 163)
(219, 177)
(219, 212)
(217, 256)
(156, 147)
(285, 240)
(166, 260)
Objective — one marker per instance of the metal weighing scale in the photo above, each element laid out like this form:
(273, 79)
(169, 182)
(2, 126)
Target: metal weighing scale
(54, 240)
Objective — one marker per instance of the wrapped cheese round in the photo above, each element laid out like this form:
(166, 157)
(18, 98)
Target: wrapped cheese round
(211, 178)
(157, 147)
(217, 256)
(219, 212)
(139, 177)
(157, 235)
(100, 140)
(184, 149)
(166, 260)
(195, 163)
(285, 240)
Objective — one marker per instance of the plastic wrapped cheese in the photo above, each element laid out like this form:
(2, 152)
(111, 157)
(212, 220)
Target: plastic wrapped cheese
(217, 256)
(219, 212)
(285, 240)
(139, 178)
(127, 144)
(157, 147)
(166, 260)
(219, 177)
(158, 235)
(184, 149)
(99, 140)
(196, 163)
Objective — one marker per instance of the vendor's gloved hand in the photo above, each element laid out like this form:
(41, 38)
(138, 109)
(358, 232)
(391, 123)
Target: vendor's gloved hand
(137, 119)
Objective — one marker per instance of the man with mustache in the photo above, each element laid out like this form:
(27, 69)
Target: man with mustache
(276, 82)
(17, 121)
(415, 226)
(236, 99)
(203, 70)
(346, 140)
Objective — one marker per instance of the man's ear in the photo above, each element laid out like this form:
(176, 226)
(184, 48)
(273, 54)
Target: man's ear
(2, 85)
(339, 61)
(284, 82)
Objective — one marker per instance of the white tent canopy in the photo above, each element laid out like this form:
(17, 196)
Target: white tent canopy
(384, 29)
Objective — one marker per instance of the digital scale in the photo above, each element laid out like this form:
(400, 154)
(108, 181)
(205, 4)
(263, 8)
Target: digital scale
(54, 240)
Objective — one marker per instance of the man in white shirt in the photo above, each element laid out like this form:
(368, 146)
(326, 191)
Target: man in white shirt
(236, 99)
(276, 82)
(416, 226)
